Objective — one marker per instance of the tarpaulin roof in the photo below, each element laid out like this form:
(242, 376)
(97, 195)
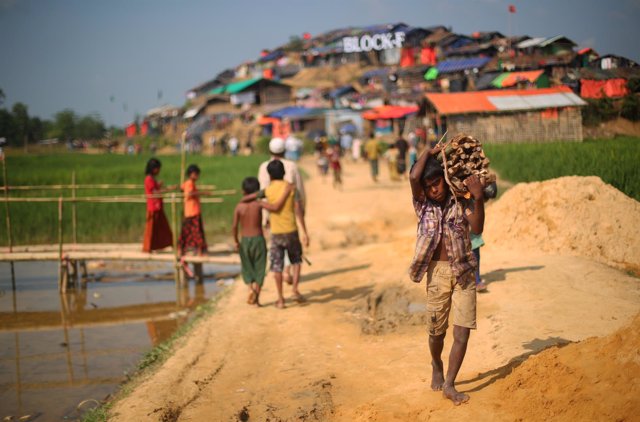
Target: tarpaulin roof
(235, 87)
(603, 88)
(542, 41)
(389, 112)
(449, 66)
(295, 112)
(274, 55)
(511, 78)
(343, 90)
(504, 100)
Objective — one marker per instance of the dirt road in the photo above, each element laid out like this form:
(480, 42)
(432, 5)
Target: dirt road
(357, 349)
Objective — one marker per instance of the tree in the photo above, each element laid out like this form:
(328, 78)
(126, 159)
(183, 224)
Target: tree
(2, 96)
(64, 125)
(21, 123)
(90, 127)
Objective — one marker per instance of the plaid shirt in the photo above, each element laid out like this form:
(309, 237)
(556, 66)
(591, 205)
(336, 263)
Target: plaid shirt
(434, 222)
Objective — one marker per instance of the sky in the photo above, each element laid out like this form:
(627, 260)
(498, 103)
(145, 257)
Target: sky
(114, 57)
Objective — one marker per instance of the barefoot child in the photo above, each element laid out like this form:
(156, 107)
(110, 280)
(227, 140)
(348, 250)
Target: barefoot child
(443, 253)
(192, 233)
(252, 247)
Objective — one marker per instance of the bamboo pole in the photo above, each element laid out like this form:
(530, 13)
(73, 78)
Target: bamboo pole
(109, 199)
(174, 224)
(74, 220)
(183, 155)
(8, 219)
(89, 186)
(6, 204)
(61, 287)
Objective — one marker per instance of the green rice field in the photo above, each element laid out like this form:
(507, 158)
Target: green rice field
(36, 223)
(615, 161)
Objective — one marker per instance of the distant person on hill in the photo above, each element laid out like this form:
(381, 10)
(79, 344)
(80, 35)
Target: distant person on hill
(391, 155)
(443, 253)
(333, 154)
(192, 233)
(402, 146)
(356, 149)
(252, 247)
(373, 149)
(157, 234)
(234, 144)
(489, 192)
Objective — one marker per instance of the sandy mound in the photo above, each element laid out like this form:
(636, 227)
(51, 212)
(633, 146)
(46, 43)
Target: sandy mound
(597, 379)
(570, 215)
(390, 307)
(327, 77)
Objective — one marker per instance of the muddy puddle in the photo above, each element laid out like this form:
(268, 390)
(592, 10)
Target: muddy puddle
(57, 351)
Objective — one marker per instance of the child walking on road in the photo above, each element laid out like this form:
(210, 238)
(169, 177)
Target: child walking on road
(253, 248)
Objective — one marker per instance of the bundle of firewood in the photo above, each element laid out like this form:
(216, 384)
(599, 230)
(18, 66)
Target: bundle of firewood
(464, 157)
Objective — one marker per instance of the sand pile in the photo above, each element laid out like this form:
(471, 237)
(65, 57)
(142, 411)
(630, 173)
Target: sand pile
(596, 379)
(326, 77)
(570, 215)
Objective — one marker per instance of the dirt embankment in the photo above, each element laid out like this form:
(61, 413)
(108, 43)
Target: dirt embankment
(357, 349)
(569, 215)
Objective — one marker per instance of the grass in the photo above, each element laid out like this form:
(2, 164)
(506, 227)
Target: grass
(154, 358)
(37, 223)
(615, 161)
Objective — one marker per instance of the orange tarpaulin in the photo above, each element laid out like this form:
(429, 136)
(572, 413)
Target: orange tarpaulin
(389, 112)
(515, 77)
(599, 89)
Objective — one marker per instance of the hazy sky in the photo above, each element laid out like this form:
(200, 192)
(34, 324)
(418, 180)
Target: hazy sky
(76, 54)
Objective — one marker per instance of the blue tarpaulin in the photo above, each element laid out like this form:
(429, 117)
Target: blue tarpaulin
(456, 65)
(295, 112)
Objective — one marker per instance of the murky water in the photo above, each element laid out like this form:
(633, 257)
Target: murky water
(59, 350)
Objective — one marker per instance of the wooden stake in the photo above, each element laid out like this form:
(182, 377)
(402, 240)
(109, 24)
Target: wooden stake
(6, 204)
(74, 220)
(183, 154)
(8, 218)
(176, 259)
(61, 286)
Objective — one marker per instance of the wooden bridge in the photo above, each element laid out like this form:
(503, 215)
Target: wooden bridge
(72, 257)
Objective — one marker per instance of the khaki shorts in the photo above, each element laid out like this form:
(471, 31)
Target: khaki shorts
(445, 296)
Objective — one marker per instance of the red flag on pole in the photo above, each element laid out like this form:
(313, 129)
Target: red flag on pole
(512, 8)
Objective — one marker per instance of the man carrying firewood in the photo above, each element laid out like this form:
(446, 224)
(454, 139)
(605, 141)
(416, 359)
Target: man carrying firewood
(443, 252)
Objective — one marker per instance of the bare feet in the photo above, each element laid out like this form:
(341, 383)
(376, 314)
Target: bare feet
(251, 300)
(481, 287)
(186, 268)
(280, 304)
(454, 395)
(298, 297)
(437, 376)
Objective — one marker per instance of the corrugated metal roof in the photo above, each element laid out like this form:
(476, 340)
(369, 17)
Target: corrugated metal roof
(449, 66)
(533, 42)
(504, 100)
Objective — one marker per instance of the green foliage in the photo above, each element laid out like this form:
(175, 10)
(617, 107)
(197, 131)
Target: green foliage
(598, 111)
(295, 44)
(67, 125)
(109, 222)
(614, 161)
(262, 146)
(634, 85)
(630, 108)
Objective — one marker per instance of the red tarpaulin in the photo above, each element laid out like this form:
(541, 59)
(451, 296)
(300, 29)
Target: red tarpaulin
(599, 89)
(428, 56)
(144, 129)
(407, 58)
(389, 112)
(131, 130)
